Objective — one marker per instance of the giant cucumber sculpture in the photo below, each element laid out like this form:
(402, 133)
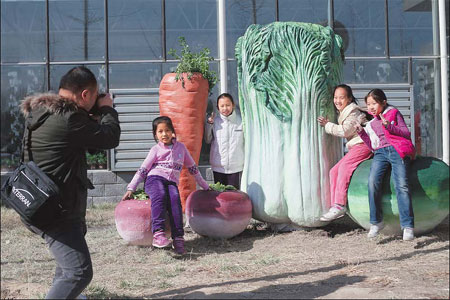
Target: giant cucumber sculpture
(286, 72)
(429, 186)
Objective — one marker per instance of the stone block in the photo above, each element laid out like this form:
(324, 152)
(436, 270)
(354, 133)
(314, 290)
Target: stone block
(103, 177)
(98, 191)
(124, 177)
(110, 199)
(209, 174)
(90, 202)
(115, 190)
(90, 175)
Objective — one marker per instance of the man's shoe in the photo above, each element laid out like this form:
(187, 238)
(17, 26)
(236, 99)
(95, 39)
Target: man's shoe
(160, 240)
(178, 245)
(408, 234)
(334, 213)
(375, 229)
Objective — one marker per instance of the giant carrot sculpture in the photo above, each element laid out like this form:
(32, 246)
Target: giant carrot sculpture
(186, 106)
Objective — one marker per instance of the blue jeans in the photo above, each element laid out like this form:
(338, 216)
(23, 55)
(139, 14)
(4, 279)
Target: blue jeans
(73, 261)
(384, 159)
(165, 198)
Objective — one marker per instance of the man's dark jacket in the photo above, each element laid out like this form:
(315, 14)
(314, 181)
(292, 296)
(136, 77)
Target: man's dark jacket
(59, 145)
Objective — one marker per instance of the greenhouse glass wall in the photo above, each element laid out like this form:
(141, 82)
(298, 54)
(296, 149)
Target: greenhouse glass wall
(391, 44)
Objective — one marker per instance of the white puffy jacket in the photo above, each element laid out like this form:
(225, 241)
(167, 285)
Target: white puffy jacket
(352, 114)
(227, 143)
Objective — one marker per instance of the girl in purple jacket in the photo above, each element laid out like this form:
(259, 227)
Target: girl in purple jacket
(161, 172)
(390, 139)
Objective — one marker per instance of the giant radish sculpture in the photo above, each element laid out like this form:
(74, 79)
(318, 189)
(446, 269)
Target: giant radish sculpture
(286, 72)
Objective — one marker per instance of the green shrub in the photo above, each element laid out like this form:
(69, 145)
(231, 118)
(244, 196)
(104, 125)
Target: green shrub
(193, 62)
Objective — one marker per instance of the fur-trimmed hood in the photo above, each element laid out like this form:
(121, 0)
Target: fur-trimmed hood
(51, 102)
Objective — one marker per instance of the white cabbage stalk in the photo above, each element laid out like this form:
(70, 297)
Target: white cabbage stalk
(286, 73)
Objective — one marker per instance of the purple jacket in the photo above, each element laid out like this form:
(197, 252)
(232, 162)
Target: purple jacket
(167, 162)
(396, 133)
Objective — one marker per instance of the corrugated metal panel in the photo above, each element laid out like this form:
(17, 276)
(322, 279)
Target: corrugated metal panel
(137, 109)
(399, 95)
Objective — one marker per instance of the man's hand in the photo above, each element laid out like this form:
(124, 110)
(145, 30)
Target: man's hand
(105, 100)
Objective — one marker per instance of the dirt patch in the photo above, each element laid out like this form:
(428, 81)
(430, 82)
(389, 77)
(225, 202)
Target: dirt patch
(336, 261)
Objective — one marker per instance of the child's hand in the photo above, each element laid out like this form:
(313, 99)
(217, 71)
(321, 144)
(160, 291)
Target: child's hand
(128, 195)
(211, 118)
(322, 121)
(384, 121)
(358, 127)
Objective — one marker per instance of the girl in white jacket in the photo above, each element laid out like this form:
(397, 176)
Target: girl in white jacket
(224, 133)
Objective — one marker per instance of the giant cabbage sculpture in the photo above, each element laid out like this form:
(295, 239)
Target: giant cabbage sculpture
(286, 73)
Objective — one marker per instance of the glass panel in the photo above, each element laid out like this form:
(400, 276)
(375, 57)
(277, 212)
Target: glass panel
(77, 30)
(304, 11)
(410, 27)
(134, 29)
(58, 71)
(361, 24)
(196, 20)
(129, 76)
(169, 67)
(427, 110)
(23, 31)
(376, 71)
(243, 13)
(17, 82)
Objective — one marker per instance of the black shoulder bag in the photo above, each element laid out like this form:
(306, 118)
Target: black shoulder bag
(29, 191)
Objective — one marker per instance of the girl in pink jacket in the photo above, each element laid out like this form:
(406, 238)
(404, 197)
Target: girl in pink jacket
(349, 115)
(161, 172)
(390, 139)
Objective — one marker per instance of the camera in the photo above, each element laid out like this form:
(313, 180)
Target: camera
(94, 110)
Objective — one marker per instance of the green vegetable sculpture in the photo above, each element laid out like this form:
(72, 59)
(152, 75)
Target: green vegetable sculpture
(286, 72)
(429, 186)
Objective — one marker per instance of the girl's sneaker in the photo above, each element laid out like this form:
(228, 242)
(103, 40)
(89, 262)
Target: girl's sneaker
(335, 212)
(160, 240)
(178, 245)
(375, 229)
(408, 234)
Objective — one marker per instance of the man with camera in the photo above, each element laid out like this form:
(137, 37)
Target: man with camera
(58, 146)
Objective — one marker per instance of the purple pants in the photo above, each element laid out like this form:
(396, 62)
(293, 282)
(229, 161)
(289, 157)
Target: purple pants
(233, 179)
(164, 196)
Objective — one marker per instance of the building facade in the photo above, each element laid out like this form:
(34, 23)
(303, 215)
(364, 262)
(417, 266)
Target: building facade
(391, 44)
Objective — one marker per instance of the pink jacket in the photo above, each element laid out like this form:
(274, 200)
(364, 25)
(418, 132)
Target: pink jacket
(396, 133)
(167, 162)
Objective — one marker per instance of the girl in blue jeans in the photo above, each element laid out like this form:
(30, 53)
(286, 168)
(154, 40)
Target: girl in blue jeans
(390, 139)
